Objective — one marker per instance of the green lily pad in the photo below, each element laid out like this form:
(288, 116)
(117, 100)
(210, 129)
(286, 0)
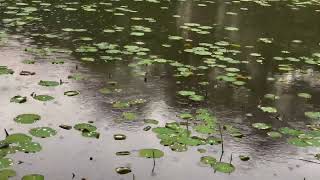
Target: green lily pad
(186, 93)
(151, 121)
(123, 170)
(178, 147)
(262, 126)
(71, 93)
(4, 70)
(204, 129)
(105, 90)
(5, 163)
(29, 147)
(312, 115)
(268, 109)
(85, 127)
(27, 118)
(196, 98)
(48, 83)
(18, 138)
(18, 99)
(91, 134)
(151, 153)
(43, 132)
(213, 140)
(223, 167)
(129, 116)
(43, 97)
(304, 95)
(298, 142)
(120, 105)
(291, 132)
(208, 160)
(33, 177)
(274, 134)
(6, 173)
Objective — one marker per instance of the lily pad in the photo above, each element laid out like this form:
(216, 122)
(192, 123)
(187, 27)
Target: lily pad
(268, 109)
(123, 170)
(19, 99)
(274, 134)
(91, 134)
(6, 173)
(178, 147)
(119, 137)
(312, 115)
(129, 116)
(48, 83)
(18, 138)
(85, 127)
(304, 95)
(33, 177)
(290, 131)
(151, 153)
(223, 167)
(43, 97)
(5, 163)
(29, 147)
(27, 118)
(151, 121)
(208, 160)
(244, 158)
(262, 126)
(71, 93)
(43, 132)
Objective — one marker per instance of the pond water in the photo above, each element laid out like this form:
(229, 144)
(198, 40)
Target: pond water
(232, 69)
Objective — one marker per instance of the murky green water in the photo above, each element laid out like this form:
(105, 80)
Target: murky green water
(245, 62)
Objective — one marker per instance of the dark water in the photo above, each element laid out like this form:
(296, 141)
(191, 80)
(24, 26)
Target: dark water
(69, 153)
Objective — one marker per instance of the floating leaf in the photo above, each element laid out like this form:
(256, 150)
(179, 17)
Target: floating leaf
(71, 93)
(5, 163)
(244, 158)
(18, 138)
(208, 160)
(33, 177)
(274, 134)
(6, 173)
(151, 121)
(119, 137)
(48, 83)
(123, 153)
(27, 118)
(223, 167)
(178, 147)
(129, 116)
(289, 131)
(268, 109)
(43, 132)
(123, 170)
(261, 126)
(312, 115)
(304, 95)
(85, 127)
(151, 153)
(29, 147)
(43, 97)
(18, 99)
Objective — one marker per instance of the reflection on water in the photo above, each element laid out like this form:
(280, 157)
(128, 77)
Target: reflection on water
(270, 159)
